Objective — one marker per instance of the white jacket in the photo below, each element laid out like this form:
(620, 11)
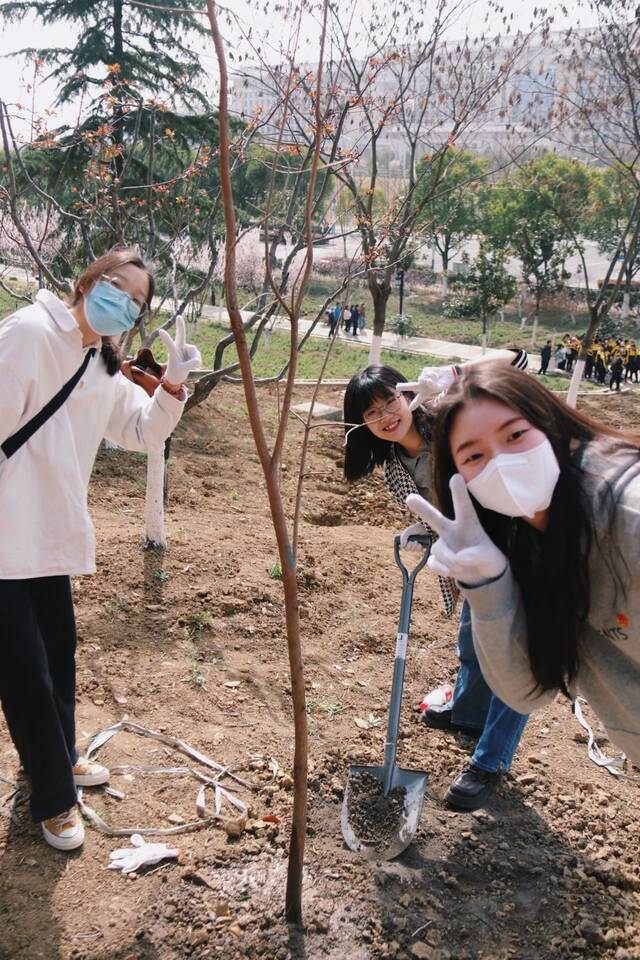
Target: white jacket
(45, 528)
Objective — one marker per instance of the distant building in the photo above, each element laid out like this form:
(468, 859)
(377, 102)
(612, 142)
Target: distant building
(508, 121)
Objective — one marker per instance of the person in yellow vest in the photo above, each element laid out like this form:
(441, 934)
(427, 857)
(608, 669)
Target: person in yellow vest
(601, 362)
(590, 362)
(634, 362)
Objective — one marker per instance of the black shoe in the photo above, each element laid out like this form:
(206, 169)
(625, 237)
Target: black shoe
(443, 721)
(471, 789)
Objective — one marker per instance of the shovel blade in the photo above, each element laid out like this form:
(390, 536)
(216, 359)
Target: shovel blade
(390, 842)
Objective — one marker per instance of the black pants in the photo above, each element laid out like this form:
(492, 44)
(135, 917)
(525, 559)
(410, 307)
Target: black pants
(37, 686)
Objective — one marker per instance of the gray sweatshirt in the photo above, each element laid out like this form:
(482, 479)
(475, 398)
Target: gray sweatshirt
(609, 651)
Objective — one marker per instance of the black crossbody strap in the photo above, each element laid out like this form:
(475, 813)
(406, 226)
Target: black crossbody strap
(13, 443)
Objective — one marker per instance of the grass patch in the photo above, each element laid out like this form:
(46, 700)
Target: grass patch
(347, 357)
(272, 355)
(8, 304)
(424, 306)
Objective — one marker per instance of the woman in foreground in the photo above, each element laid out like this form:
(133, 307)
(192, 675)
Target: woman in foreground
(540, 528)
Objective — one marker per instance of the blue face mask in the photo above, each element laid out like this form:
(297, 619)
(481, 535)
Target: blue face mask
(110, 311)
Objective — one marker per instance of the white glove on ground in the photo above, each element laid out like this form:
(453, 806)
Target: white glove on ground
(431, 382)
(181, 357)
(130, 859)
(413, 530)
(464, 551)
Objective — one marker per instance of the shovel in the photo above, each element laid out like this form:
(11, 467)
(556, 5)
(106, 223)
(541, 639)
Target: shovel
(396, 794)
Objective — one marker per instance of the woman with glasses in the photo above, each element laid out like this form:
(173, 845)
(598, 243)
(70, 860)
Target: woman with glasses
(61, 392)
(388, 426)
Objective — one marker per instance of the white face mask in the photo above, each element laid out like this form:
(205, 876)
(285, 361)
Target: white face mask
(518, 484)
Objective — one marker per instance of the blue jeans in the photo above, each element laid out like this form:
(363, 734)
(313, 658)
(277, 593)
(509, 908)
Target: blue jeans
(475, 706)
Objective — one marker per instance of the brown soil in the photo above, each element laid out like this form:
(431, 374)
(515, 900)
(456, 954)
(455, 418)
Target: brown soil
(374, 817)
(191, 643)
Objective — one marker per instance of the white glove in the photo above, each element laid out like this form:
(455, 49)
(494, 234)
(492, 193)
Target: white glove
(432, 382)
(129, 859)
(464, 551)
(182, 357)
(413, 530)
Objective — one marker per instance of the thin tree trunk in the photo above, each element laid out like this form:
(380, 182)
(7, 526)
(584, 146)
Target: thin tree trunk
(380, 300)
(445, 274)
(118, 115)
(536, 317)
(154, 530)
(626, 304)
(270, 459)
(576, 377)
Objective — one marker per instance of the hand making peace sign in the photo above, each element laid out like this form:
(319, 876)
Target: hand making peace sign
(464, 551)
(182, 357)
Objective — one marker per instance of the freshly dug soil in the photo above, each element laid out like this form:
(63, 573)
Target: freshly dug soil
(191, 642)
(375, 818)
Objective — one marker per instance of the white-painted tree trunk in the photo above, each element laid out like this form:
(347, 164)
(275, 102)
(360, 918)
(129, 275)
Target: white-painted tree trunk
(445, 284)
(484, 343)
(534, 330)
(523, 322)
(375, 349)
(576, 377)
(626, 305)
(154, 531)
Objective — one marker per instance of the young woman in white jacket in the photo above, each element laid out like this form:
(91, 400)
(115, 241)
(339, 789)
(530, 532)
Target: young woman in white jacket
(539, 524)
(49, 438)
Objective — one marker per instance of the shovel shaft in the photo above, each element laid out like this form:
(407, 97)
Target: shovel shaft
(391, 745)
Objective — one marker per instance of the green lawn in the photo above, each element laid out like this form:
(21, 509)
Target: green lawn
(424, 306)
(8, 304)
(346, 357)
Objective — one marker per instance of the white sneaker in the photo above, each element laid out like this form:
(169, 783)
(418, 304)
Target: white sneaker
(86, 773)
(66, 831)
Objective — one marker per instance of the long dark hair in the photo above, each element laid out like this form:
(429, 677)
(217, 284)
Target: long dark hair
(551, 568)
(118, 257)
(365, 451)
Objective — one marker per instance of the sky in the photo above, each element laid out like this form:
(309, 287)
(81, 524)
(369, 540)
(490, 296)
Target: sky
(16, 75)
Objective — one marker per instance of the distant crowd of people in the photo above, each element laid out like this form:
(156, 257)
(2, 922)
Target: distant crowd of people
(351, 318)
(617, 359)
